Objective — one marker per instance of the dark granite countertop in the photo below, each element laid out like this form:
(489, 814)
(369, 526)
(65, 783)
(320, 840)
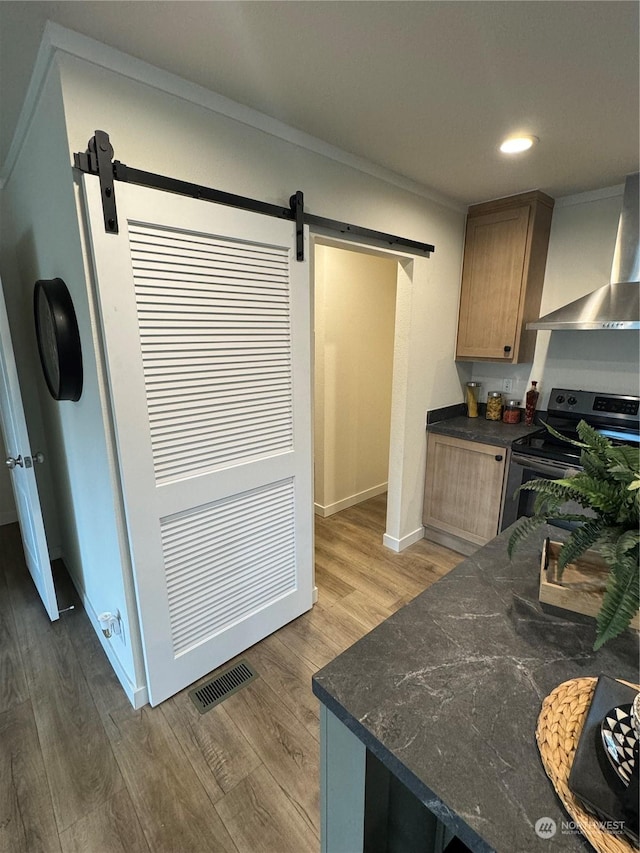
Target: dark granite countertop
(482, 430)
(447, 691)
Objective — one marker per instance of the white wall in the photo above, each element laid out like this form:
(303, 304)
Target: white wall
(158, 132)
(80, 521)
(583, 234)
(355, 296)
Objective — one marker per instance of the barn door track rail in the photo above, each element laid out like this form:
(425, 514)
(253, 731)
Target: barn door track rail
(98, 160)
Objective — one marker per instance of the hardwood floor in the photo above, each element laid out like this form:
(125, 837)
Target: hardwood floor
(82, 772)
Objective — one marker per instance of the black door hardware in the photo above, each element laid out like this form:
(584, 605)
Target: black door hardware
(98, 160)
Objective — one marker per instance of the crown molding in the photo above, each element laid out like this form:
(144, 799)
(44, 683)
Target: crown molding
(590, 195)
(60, 39)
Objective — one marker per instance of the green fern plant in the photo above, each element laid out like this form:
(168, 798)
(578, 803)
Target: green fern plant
(609, 487)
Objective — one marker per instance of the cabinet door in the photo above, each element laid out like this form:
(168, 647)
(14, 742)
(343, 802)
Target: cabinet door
(463, 488)
(492, 284)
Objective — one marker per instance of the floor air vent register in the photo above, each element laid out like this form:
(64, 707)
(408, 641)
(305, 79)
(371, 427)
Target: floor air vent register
(229, 681)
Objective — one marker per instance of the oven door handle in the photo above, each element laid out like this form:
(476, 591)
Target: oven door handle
(553, 469)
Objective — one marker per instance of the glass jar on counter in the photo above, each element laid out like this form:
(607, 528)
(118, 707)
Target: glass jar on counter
(511, 414)
(494, 406)
(473, 389)
(532, 401)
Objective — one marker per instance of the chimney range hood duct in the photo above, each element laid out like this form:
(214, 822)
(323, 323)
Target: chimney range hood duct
(616, 305)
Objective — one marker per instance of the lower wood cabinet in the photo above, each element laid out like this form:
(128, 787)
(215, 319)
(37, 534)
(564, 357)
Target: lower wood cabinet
(463, 491)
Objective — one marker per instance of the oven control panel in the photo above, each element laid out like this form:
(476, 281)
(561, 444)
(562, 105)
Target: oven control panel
(621, 407)
(616, 406)
(565, 401)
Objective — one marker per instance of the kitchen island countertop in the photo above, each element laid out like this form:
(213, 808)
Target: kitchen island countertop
(447, 691)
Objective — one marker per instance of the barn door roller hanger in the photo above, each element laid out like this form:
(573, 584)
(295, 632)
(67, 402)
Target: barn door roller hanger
(98, 160)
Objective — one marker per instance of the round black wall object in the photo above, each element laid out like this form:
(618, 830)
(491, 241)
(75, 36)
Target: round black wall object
(58, 339)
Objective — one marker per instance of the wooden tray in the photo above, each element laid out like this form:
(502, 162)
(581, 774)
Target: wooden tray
(582, 586)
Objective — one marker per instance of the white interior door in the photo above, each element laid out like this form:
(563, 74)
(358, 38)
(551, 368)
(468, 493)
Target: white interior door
(205, 317)
(23, 478)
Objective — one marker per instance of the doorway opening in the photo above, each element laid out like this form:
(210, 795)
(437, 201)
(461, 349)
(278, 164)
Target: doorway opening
(361, 297)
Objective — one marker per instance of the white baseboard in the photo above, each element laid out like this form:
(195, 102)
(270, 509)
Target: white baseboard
(400, 544)
(352, 500)
(138, 696)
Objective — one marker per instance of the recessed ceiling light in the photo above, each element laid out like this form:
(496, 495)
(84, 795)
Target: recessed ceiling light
(516, 144)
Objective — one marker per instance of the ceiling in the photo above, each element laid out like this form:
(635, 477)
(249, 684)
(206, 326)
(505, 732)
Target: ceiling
(425, 89)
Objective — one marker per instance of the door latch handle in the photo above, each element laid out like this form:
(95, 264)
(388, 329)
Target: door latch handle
(38, 456)
(498, 458)
(12, 461)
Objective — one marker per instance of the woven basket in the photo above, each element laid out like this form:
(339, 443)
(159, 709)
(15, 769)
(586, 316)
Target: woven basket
(558, 731)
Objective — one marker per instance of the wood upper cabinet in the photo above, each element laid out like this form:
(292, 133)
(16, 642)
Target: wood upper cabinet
(502, 276)
(463, 487)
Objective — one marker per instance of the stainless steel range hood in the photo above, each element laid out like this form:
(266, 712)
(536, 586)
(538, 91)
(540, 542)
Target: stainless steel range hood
(616, 305)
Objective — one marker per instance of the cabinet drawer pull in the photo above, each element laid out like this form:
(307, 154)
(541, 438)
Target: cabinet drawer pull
(507, 348)
(498, 458)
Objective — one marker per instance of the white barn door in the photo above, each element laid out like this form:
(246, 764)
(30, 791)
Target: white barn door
(205, 318)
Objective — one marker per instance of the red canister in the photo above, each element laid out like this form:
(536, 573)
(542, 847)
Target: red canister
(511, 413)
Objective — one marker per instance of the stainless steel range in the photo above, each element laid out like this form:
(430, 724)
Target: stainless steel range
(542, 455)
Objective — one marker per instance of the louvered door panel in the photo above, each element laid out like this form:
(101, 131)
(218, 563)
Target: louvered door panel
(226, 560)
(205, 318)
(215, 334)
